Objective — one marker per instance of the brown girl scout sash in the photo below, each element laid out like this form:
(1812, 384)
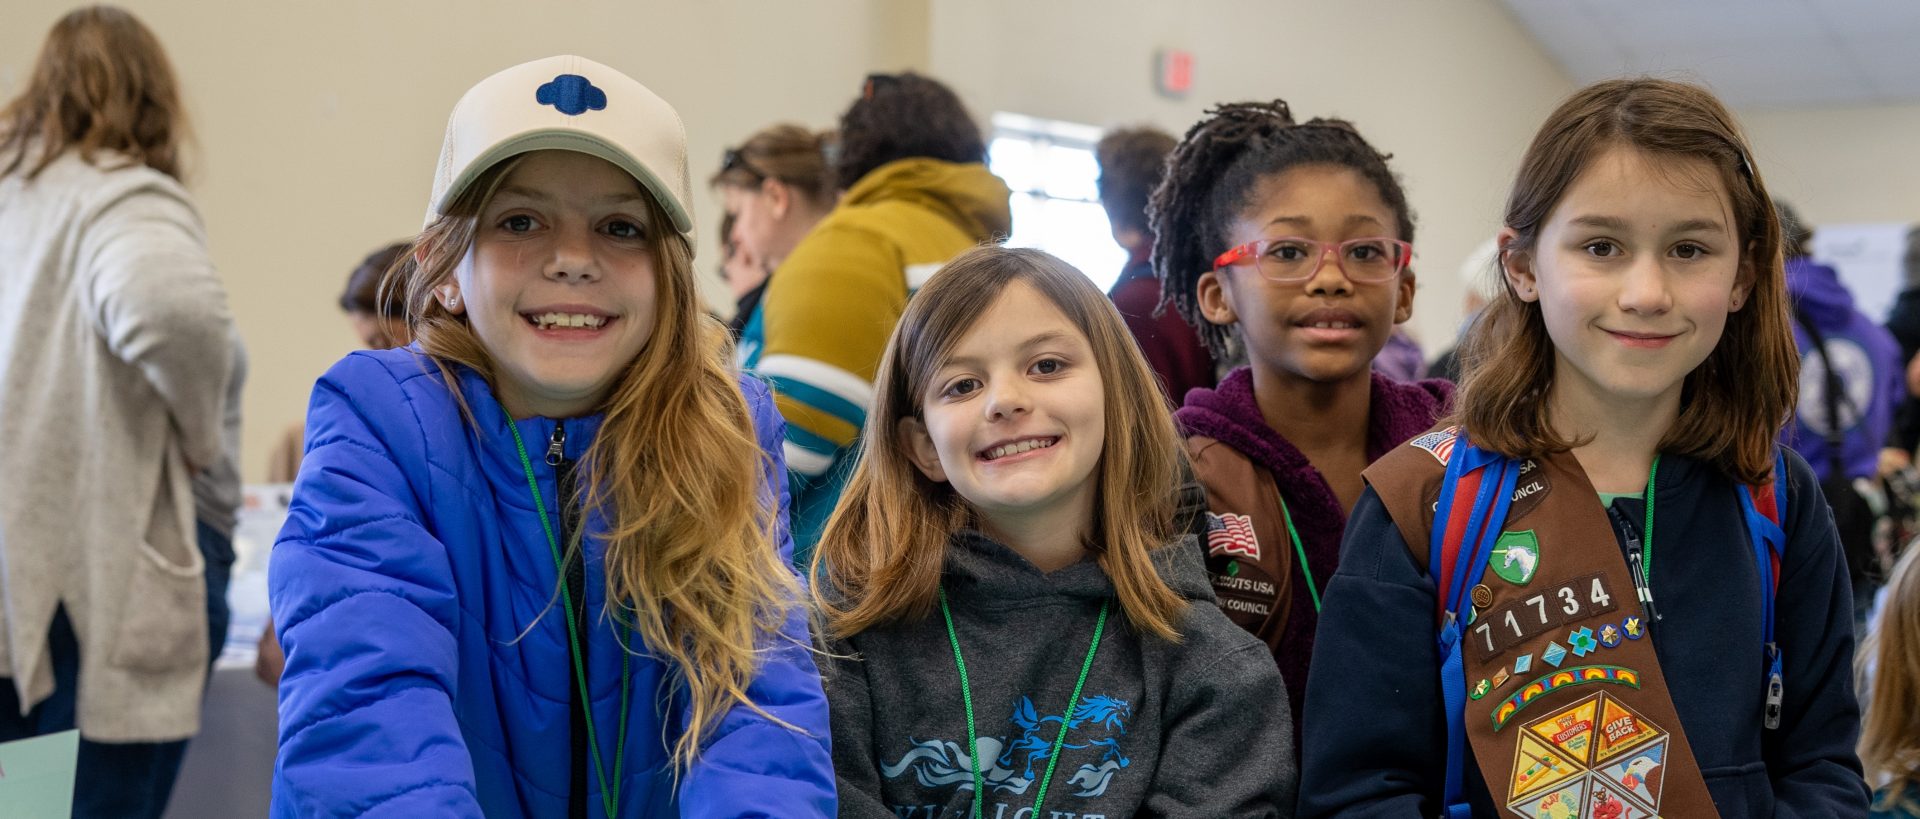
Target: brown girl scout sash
(1567, 713)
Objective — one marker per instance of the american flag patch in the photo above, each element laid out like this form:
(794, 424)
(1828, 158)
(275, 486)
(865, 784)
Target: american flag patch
(1438, 443)
(1232, 535)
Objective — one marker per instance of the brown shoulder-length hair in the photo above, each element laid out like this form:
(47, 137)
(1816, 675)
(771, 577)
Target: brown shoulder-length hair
(787, 152)
(1734, 403)
(676, 472)
(102, 83)
(881, 555)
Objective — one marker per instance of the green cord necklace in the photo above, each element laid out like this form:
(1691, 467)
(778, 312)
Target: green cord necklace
(1305, 570)
(1646, 543)
(966, 698)
(609, 792)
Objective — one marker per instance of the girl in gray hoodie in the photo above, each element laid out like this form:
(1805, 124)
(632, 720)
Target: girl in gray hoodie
(1016, 627)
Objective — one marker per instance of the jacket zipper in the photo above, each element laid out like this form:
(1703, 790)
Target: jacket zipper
(574, 576)
(1642, 589)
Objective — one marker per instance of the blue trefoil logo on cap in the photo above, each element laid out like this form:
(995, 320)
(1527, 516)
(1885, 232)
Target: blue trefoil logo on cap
(572, 94)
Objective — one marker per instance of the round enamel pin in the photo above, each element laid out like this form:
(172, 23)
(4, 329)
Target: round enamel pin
(1482, 596)
(1609, 635)
(1481, 688)
(1633, 627)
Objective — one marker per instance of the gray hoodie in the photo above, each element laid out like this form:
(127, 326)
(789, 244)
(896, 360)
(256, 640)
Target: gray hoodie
(1197, 728)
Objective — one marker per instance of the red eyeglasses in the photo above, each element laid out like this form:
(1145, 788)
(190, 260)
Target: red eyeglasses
(1294, 259)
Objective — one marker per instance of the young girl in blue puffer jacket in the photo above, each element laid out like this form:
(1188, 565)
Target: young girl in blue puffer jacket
(537, 562)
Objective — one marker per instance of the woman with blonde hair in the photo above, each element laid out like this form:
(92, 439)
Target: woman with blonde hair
(1890, 741)
(119, 376)
(536, 561)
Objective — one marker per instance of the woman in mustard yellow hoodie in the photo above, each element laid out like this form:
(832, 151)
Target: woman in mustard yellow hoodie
(917, 193)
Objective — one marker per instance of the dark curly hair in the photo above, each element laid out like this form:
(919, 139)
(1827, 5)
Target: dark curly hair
(1131, 160)
(1215, 168)
(901, 116)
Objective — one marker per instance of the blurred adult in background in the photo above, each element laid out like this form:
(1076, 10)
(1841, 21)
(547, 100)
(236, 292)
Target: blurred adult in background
(1480, 277)
(1904, 322)
(1851, 375)
(1131, 161)
(775, 187)
(118, 357)
(1401, 359)
(379, 319)
(917, 192)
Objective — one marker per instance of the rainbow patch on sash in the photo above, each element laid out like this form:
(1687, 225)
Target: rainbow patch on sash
(1564, 678)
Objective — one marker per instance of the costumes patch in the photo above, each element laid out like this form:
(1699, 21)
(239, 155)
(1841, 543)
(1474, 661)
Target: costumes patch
(1516, 557)
(1565, 765)
(1438, 443)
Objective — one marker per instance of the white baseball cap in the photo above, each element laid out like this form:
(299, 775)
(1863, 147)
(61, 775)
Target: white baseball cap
(567, 103)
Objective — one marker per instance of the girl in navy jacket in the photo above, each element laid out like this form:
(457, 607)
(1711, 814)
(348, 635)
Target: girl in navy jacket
(1641, 352)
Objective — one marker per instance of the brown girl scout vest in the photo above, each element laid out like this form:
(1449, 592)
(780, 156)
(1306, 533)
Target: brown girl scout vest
(1250, 558)
(1568, 713)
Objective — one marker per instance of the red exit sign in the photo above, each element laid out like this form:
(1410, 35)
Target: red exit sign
(1173, 72)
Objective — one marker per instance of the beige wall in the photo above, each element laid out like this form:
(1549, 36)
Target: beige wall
(1453, 90)
(319, 123)
(1841, 165)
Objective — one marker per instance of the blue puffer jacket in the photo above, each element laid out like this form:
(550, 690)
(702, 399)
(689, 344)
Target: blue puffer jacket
(426, 675)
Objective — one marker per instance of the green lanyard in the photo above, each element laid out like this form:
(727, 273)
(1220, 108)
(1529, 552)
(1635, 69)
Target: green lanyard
(1646, 543)
(1305, 570)
(609, 793)
(966, 697)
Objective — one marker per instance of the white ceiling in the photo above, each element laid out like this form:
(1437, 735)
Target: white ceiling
(1753, 53)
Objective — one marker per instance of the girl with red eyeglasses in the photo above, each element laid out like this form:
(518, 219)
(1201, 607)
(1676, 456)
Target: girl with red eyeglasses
(1288, 242)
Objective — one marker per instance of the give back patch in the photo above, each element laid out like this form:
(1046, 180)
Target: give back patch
(1593, 759)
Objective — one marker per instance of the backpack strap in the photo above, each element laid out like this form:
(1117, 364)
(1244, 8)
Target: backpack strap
(1471, 508)
(1765, 508)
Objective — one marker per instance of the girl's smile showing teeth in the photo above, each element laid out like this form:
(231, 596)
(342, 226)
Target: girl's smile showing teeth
(567, 320)
(1019, 447)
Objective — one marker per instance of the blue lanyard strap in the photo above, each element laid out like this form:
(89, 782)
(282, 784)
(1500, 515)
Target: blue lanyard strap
(609, 792)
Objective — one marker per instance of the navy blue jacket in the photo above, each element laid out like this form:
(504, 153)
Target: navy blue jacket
(428, 671)
(1375, 744)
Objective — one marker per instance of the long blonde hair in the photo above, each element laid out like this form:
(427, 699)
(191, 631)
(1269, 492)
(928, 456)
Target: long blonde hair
(881, 554)
(102, 83)
(1890, 735)
(676, 471)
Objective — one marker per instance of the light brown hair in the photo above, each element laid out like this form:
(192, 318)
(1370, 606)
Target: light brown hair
(1890, 732)
(786, 152)
(102, 83)
(880, 558)
(1734, 403)
(676, 471)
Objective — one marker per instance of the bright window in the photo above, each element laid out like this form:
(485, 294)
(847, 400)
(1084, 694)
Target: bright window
(1056, 206)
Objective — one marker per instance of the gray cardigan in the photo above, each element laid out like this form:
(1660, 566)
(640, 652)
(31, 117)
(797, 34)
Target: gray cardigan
(116, 351)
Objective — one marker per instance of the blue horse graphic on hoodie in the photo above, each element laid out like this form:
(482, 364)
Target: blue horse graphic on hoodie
(1098, 722)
